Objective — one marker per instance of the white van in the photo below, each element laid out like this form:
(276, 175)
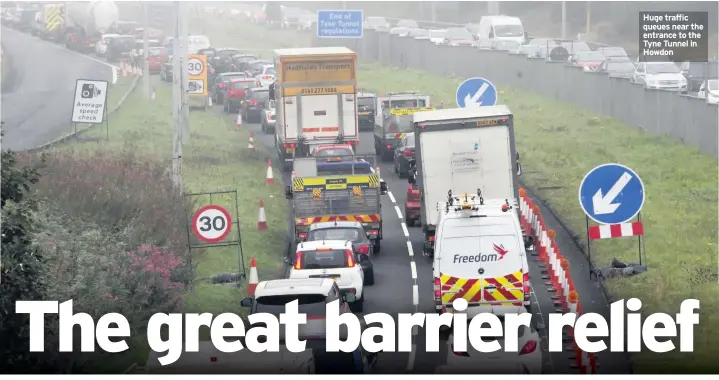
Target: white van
(196, 43)
(480, 256)
(500, 28)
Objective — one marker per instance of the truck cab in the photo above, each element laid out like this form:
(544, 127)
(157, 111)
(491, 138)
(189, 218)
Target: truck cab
(396, 124)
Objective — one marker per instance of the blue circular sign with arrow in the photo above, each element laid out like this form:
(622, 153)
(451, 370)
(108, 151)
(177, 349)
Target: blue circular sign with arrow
(611, 194)
(476, 92)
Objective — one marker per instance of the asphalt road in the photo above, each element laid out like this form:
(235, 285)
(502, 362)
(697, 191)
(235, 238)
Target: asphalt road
(400, 271)
(37, 98)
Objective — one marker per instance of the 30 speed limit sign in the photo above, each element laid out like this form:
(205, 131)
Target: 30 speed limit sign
(211, 223)
(195, 66)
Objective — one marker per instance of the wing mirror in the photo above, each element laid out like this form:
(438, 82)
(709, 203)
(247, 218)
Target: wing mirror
(383, 187)
(288, 192)
(246, 302)
(349, 297)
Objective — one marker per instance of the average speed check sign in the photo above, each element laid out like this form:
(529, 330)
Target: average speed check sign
(211, 224)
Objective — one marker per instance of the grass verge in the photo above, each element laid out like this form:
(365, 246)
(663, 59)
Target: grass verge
(559, 143)
(216, 159)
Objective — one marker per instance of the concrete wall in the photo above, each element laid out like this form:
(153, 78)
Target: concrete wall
(686, 118)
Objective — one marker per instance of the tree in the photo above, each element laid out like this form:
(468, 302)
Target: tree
(21, 269)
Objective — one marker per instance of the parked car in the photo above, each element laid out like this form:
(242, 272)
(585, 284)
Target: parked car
(709, 90)
(166, 71)
(254, 103)
(120, 47)
(222, 59)
(459, 36)
(587, 60)
(617, 68)
(437, 36)
(237, 91)
(156, 57)
(101, 45)
(266, 76)
(660, 75)
(612, 51)
(240, 62)
(269, 117)
(221, 83)
(696, 73)
(403, 155)
(375, 22)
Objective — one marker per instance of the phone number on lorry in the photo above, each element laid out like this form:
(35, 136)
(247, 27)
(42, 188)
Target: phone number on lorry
(318, 90)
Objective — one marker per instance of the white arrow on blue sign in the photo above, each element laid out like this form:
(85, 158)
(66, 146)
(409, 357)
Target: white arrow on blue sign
(611, 194)
(476, 92)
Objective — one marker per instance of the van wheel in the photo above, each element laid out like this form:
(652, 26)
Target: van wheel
(377, 246)
(409, 222)
(369, 277)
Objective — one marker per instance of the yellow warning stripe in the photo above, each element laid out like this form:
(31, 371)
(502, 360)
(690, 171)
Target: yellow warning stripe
(494, 296)
(54, 17)
(335, 183)
(349, 218)
(408, 111)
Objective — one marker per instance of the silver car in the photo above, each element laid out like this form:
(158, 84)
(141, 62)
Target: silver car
(268, 117)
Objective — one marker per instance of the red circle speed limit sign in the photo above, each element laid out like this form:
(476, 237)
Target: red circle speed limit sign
(195, 66)
(211, 223)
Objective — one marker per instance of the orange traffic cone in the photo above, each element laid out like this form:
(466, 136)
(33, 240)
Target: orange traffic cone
(269, 179)
(262, 218)
(251, 144)
(152, 97)
(239, 120)
(254, 279)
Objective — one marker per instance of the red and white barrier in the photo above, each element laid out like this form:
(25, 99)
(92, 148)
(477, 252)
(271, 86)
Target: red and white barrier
(239, 120)
(609, 231)
(251, 143)
(558, 275)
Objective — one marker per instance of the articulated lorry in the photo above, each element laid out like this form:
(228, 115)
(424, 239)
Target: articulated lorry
(465, 151)
(50, 21)
(87, 21)
(316, 97)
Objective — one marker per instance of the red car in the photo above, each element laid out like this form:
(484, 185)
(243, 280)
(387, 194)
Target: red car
(412, 203)
(588, 60)
(155, 58)
(237, 91)
(334, 152)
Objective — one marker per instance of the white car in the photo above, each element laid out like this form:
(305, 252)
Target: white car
(660, 76)
(399, 31)
(266, 76)
(101, 46)
(269, 117)
(332, 259)
(437, 36)
(305, 22)
(710, 91)
(527, 361)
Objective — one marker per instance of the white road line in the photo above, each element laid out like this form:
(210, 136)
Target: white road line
(391, 197)
(413, 267)
(409, 249)
(415, 295)
(533, 294)
(399, 212)
(415, 330)
(410, 363)
(404, 229)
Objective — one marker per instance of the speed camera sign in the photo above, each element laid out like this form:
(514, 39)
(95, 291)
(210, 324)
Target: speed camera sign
(195, 66)
(211, 224)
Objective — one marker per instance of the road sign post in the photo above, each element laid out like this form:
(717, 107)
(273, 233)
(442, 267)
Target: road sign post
(476, 92)
(612, 195)
(215, 224)
(340, 24)
(197, 70)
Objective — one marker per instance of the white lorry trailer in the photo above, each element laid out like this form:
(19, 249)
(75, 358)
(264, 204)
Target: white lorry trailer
(463, 150)
(316, 93)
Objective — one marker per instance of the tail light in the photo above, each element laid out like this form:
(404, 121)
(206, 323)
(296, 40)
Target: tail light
(437, 289)
(363, 249)
(529, 347)
(350, 258)
(408, 153)
(298, 261)
(302, 235)
(213, 359)
(372, 233)
(464, 354)
(389, 146)
(527, 287)
(293, 146)
(253, 102)
(221, 85)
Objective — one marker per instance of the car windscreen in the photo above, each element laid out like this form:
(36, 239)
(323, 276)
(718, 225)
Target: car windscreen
(512, 30)
(365, 103)
(401, 123)
(261, 96)
(243, 85)
(333, 152)
(351, 234)
(662, 68)
(589, 56)
(226, 53)
(329, 259)
(310, 304)
(623, 66)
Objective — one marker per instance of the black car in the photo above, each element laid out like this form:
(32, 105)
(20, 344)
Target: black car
(366, 104)
(240, 61)
(218, 91)
(617, 68)
(697, 72)
(352, 231)
(254, 67)
(251, 108)
(222, 59)
(120, 47)
(403, 155)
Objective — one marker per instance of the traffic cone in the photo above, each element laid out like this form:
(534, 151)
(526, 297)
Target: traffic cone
(251, 144)
(239, 120)
(209, 101)
(152, 97)
(254, 278)
(262, 218)
(269, 179)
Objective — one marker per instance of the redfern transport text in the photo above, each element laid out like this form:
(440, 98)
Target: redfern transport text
(344, 332)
